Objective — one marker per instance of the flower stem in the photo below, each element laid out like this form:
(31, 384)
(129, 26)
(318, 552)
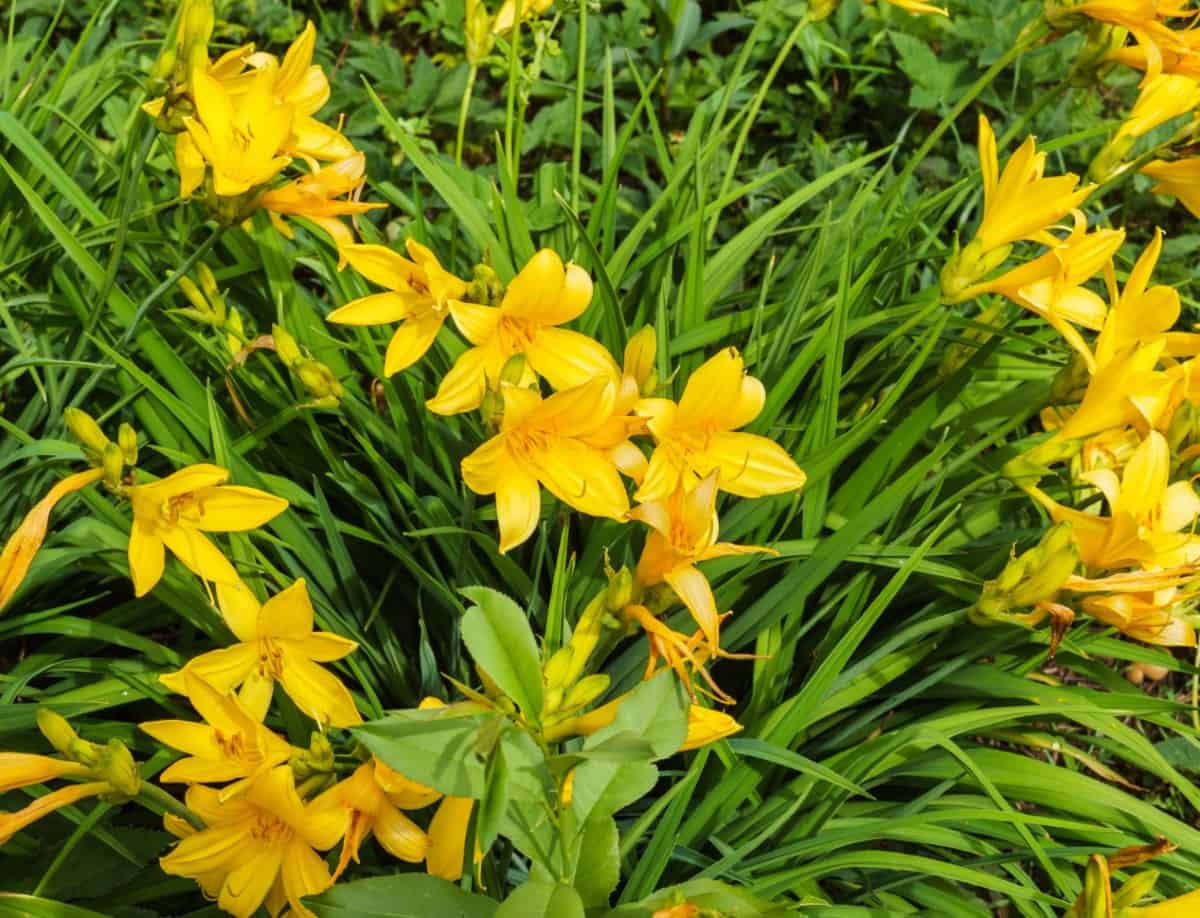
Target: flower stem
(463, 108)
(580, 75)
(153, 797)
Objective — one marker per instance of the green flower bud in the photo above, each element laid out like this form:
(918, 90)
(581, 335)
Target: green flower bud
(127, 439)
(586, 690)
(286, 346)
(85, 429)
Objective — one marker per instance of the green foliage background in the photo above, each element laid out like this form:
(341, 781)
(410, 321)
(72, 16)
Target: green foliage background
(733, 177)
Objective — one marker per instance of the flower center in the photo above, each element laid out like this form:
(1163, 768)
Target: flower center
(270, 659)
(269, 829)
(232, 746)
(189, 504)
(516, 334)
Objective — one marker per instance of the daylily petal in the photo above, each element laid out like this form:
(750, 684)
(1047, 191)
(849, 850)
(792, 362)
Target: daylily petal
(583, 478)
(567, 358)
(383, 266)
(287, 614)
(222, 669)
(317, 692)
(448, 838)
(198, 554)
(463, 386)
(376, 309)
(233, 508)
(477, 323)
(147, 558)
(410, 342)
(548, 292)
(248, 883)
(325, 647)
(400, 836)
(753, 466)
(518, 507)
(304, 874)
(693, 589)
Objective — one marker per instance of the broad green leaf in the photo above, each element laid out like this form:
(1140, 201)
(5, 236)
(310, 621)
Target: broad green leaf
(406, 895)
(541, 900)
(496, 631)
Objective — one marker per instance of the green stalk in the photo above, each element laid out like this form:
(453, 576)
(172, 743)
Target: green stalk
(514, 39)
(154, 798)
(580, 75)
(464, 106)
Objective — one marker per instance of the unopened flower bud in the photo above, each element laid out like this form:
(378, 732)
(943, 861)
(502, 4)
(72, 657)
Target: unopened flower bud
(286, 346)
(552, 700)
(127, 439)
(619, 592)
(1094, 59)
(640, 354)
(513, 370)
(586, 690)
(58, 732)
(318, 379)
(118, 768)
(967, 266)
(85, 429)
(555, 669)
(113, 463)
(485, 287)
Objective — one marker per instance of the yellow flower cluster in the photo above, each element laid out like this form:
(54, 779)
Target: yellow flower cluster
(240, 121)
(578, 441)
(1123, 421)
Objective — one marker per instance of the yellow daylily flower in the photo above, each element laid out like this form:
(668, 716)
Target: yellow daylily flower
(544, 295)
(1143, 19)
(684, 530)
(370, 810)
(317, 196)
(507, 14)
(1162, 98)
(240, 138)
(419, 297)
(301, 86)
(706, 725)
(448, 838)
(1127, 390)
(176, 511)
(258, 848)
(1051, 285)
(23, 544)
(277, 644)
(1139, 313)
(701, 434)
(230, 744)
(1148, 516)
(1179, 179)
(541, 443)
(1018, 203)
